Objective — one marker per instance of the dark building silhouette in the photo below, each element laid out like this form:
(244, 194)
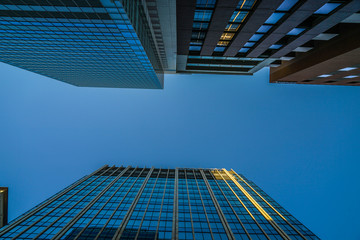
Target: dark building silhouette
(3, 206)
(153, 203)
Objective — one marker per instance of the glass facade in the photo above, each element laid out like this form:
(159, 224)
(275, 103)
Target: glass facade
(97, 43)
(152, 203)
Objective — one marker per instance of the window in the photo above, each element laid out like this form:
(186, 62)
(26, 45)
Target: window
(286, 5)
(238, 16)
(347, 69)
(275, 46)
(244, 50)
(256, 37)
(274, 18)
(324, 75)
(219, 49)
(205, 3)
(249, 44)
(264, 28)
(203, 15)
(296, 31)
(327, 8)
(195, 48)
(351, 76)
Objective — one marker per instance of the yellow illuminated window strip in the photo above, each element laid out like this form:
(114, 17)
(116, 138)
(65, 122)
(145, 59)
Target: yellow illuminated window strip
(220, 176)
(237, 175)
(229, 36)
(257, 205)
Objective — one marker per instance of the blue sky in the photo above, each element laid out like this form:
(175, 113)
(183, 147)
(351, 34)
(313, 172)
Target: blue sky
(300, 143)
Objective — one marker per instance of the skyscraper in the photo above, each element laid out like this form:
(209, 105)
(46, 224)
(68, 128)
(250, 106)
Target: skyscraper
(243, 36)
(94, 43)
(151, 203)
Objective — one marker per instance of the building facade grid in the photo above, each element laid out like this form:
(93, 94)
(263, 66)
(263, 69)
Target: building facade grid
(84, 43)
(152, 203)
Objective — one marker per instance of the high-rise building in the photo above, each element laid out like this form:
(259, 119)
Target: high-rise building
(243, 36)
(3, 206)
(152, 203)
(94, 43)
(334, 60)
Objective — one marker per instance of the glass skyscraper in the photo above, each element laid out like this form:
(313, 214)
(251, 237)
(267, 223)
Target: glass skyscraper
(92, 43)
(151, 203)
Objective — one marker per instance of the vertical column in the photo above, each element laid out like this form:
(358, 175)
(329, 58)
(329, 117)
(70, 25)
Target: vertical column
(247, 210)
(203, 205)
(162, 204)
(98, 236)
(185, 10)
(230, 205)
(122, 227)
(261, 210)
(175, 232)
(229, 233)
(302, 236)
(147, 205)
(189, 203)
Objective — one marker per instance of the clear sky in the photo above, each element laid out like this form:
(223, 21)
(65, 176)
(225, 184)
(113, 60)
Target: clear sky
(300, 143)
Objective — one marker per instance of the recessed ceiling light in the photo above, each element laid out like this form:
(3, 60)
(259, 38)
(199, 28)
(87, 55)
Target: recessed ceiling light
(351, 76)
(325, 75)
(347, 69)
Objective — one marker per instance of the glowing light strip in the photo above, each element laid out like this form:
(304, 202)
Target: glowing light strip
(236, 16)
(269, 204)
(242, 204)
(261, 210)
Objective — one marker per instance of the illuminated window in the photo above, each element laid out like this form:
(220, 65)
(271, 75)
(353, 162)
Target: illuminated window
(238, 16)
(232, 27)
(246, 4)
(227, 36)
(223, 43)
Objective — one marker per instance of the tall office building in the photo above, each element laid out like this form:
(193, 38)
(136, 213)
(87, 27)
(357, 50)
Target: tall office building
(3, 206)
(152, 203)
(94, 43)
(303, 41)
